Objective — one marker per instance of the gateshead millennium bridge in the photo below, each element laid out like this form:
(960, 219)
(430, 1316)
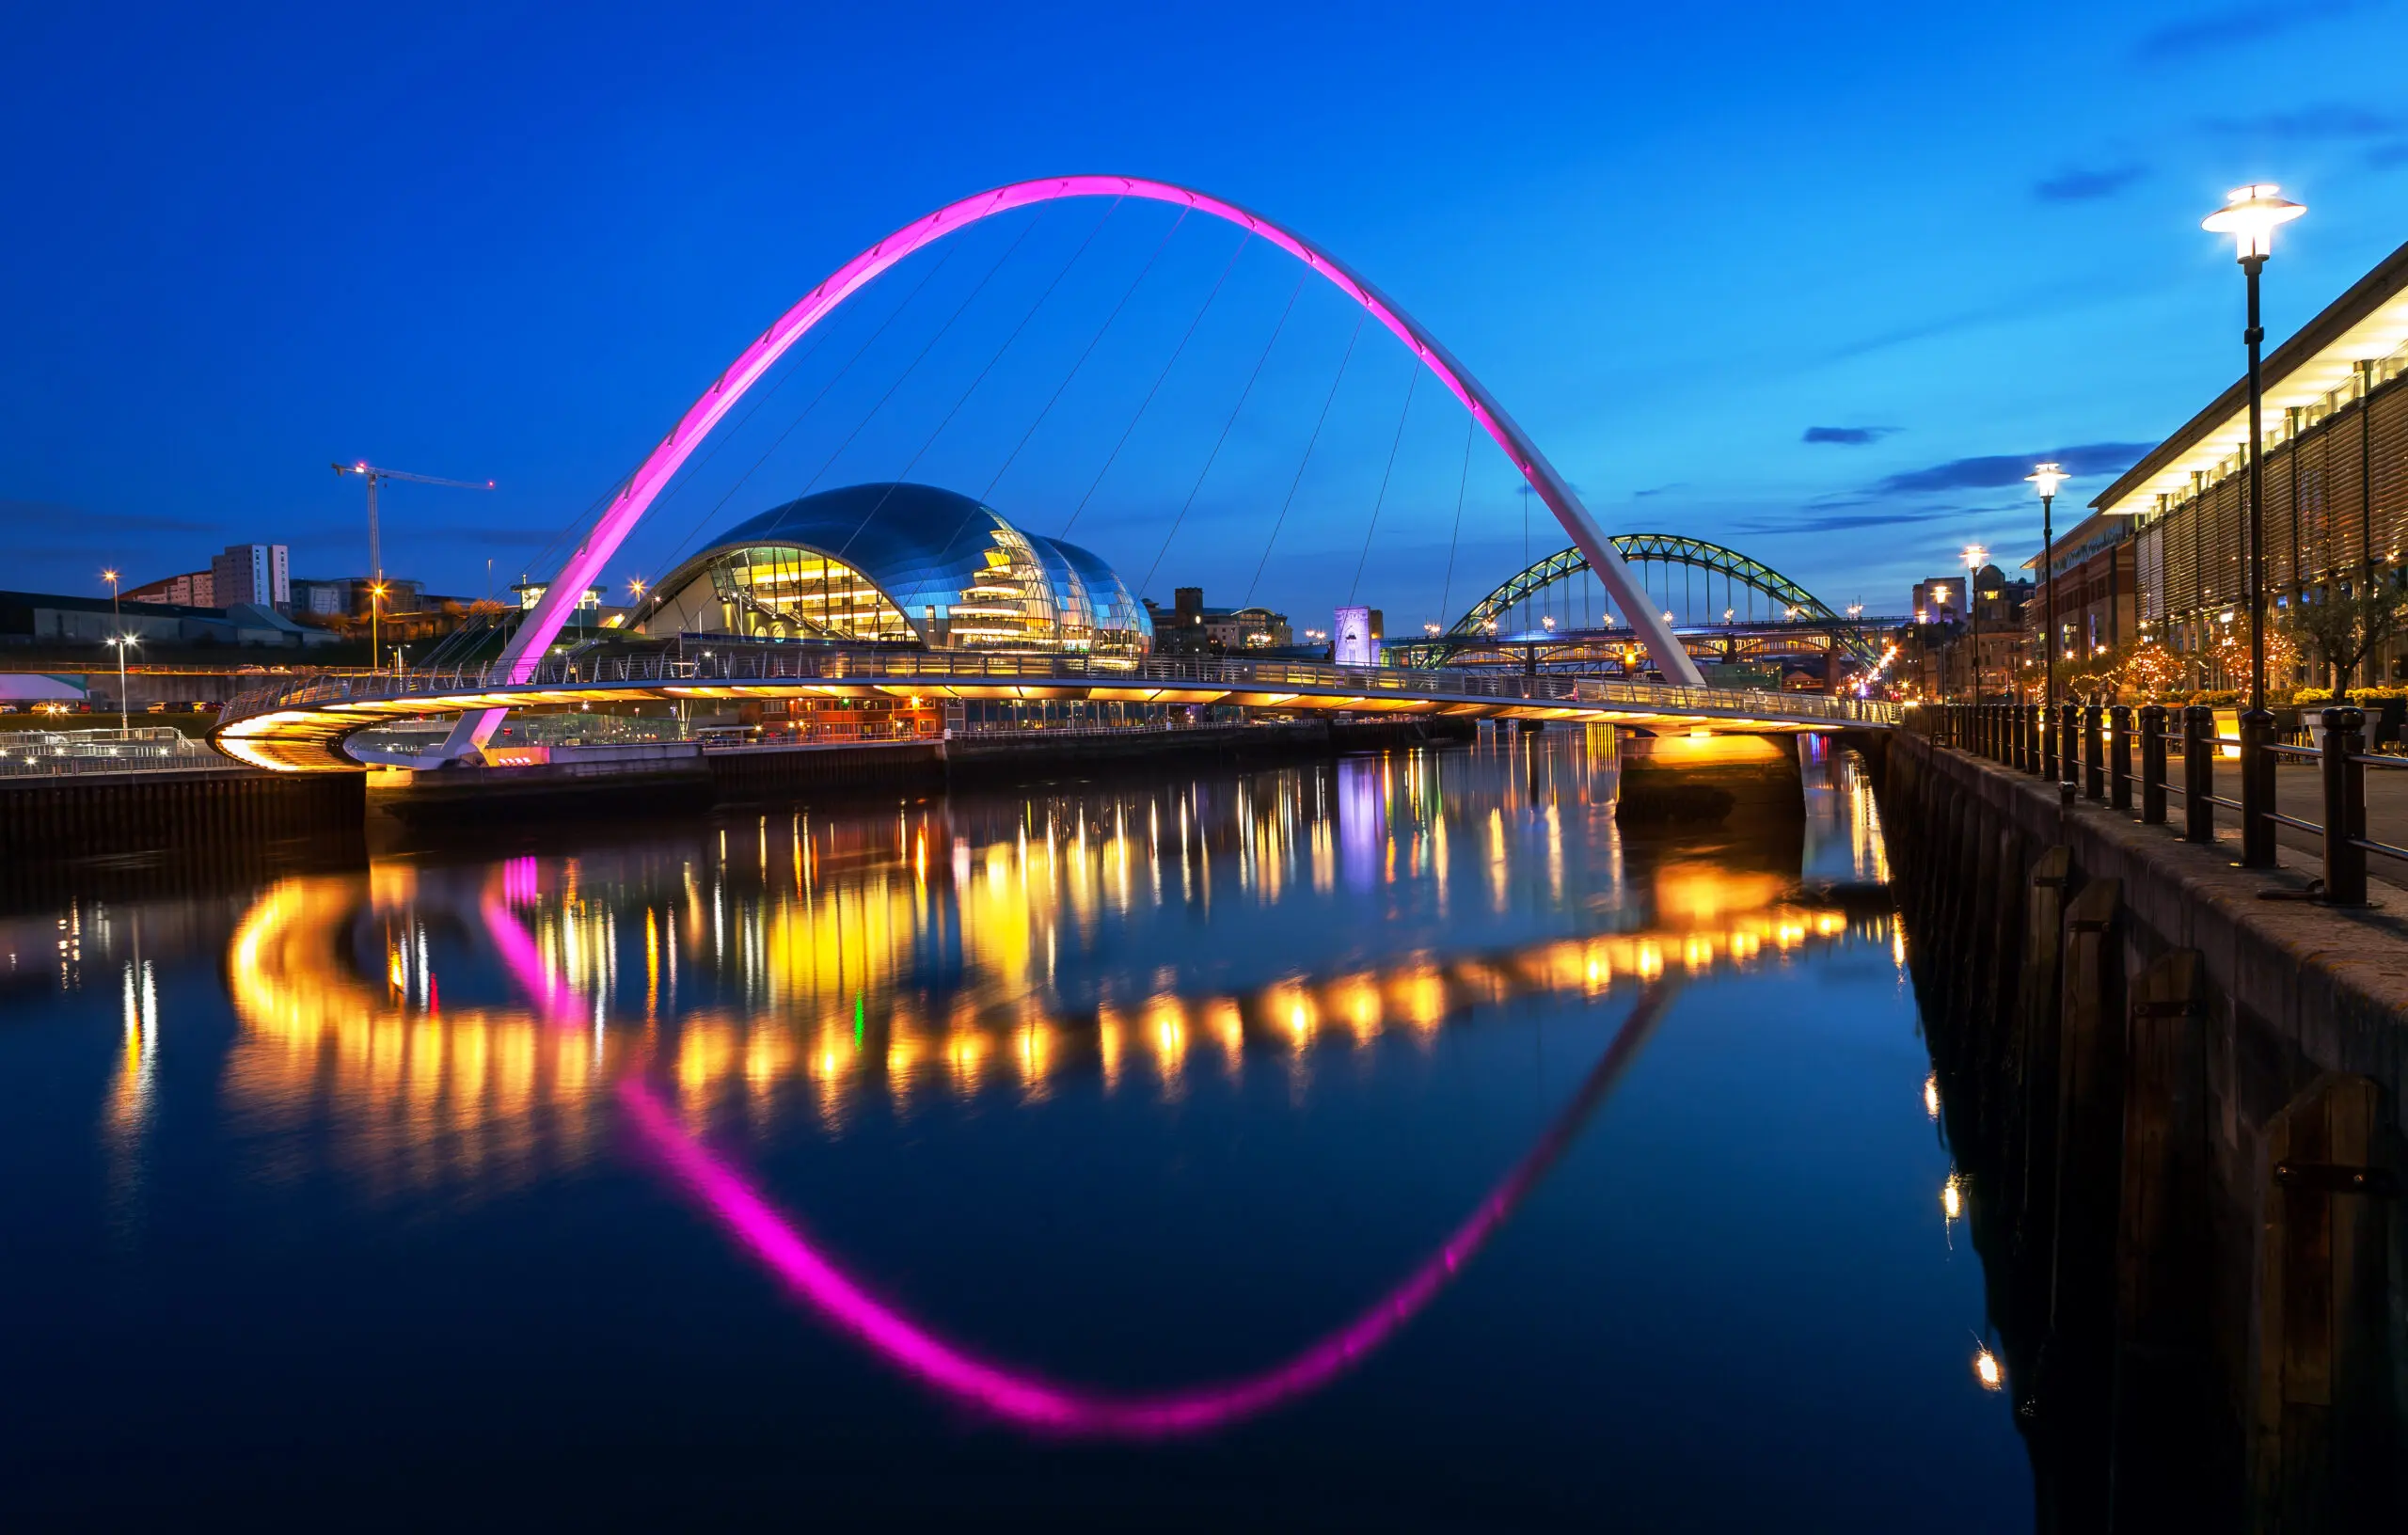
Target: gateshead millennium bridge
(301, 726)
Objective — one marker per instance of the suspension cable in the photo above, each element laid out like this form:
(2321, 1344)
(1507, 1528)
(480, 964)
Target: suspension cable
(981, 378)
(1088, 351)
(1413, 381)
(1447, 589)
(1309, 442)
(1186, 337)
(1217, 443)
(922, 356)
(699, 523)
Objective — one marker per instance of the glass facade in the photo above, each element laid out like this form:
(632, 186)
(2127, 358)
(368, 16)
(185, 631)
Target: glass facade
(900, 563)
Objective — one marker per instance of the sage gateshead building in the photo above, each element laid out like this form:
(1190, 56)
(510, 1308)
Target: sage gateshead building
(899, 563)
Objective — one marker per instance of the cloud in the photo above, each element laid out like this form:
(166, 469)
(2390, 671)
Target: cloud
(2008, 468)
(2087, 185)
(2314, 124)
(2234, 27)
(1659, 490)
(1839, 521)
(1848, 437)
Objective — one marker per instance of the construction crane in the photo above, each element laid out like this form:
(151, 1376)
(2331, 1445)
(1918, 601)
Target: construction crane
(376, 477)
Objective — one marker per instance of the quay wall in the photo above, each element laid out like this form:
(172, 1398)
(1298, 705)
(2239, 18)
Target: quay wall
(42, 817)
(2173, 1107)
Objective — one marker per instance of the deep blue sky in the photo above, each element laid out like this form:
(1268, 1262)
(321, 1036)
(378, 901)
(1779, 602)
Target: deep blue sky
(1673, 240)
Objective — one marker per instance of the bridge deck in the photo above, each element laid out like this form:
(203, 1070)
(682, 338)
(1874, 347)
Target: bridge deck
(299, 726)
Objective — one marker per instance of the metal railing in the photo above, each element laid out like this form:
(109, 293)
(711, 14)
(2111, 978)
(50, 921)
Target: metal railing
(444, 688)
(2087, 749)
(48, 754)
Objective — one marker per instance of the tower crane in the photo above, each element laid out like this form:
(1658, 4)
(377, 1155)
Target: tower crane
(375, 477)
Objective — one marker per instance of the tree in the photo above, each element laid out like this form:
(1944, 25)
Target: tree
(2230, 648)
(2345, 631)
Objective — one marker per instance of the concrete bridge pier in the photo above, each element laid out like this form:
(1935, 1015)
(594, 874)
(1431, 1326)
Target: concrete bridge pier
(1700, 778)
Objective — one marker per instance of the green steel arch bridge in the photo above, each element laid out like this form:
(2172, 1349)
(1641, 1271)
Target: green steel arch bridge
(1795, 614)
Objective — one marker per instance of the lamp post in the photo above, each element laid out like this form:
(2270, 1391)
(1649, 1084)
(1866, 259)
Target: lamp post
(376, 613)
(2046, 478)
(2250, 216)
(123, 643)
(1973, 555)
(117, 614)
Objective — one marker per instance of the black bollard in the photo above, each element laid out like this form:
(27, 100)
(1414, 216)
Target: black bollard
(2256, 789)
(2198, 773)
(2119, 756)
(2152, 727)
(2094, 759)
(2345, 807)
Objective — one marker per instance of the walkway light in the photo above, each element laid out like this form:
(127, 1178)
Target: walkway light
(2250, 216)
(2046, 479)
(123, 643)
(1973, 555)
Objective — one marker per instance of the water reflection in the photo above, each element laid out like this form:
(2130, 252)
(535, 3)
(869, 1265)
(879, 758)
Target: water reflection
(456, 1025)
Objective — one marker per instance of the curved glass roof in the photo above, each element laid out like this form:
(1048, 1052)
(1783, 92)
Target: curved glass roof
(954, 569)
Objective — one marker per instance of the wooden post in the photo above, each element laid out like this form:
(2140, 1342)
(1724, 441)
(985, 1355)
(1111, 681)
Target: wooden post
(2075, 1391)
(2167, 1403)
(2320, 1450)
(2043, 935)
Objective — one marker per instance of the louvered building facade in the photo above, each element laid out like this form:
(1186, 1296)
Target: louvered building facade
(2336, 482)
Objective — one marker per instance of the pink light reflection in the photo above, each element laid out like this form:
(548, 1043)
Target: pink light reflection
(1030, 1401)
(1017, 1395)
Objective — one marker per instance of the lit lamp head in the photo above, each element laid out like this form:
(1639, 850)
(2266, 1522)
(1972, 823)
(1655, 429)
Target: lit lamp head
(2047, 477)
(1975, 555)
(2251, 214)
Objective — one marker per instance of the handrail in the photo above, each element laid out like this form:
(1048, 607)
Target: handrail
(2004, 731)
(954, 666)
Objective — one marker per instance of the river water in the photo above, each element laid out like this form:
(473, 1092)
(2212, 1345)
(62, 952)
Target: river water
(1386, 1143)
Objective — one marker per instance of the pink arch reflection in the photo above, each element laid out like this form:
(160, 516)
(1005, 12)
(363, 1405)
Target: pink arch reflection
(1027, 1400)
(1017, 1395)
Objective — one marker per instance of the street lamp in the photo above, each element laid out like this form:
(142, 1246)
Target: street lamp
(2250, 216)
(123, 643)
(116, 614)
(2046, 479)
(1973, 555)
(375, 612)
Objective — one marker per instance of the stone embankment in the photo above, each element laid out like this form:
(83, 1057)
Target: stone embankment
(2174, 1105)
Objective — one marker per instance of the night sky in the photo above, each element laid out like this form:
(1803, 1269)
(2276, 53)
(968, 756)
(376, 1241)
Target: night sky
(1817, 282)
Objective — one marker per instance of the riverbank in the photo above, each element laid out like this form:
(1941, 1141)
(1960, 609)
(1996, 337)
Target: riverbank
(2173, 1106)
(158, 809)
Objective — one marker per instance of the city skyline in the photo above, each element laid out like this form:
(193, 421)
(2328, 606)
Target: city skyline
(1981, 298)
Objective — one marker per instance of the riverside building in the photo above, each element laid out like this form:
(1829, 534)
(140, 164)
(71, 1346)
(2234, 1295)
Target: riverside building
(2336, 489)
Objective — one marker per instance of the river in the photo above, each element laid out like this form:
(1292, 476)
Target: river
(1384, 1143)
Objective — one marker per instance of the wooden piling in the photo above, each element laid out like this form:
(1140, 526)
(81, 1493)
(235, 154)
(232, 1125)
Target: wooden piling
(2167, 1406)
(2322, 1444)
(2088, 1179)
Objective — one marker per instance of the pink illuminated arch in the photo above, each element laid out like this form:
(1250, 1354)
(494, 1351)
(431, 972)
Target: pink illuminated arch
(527, 647)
